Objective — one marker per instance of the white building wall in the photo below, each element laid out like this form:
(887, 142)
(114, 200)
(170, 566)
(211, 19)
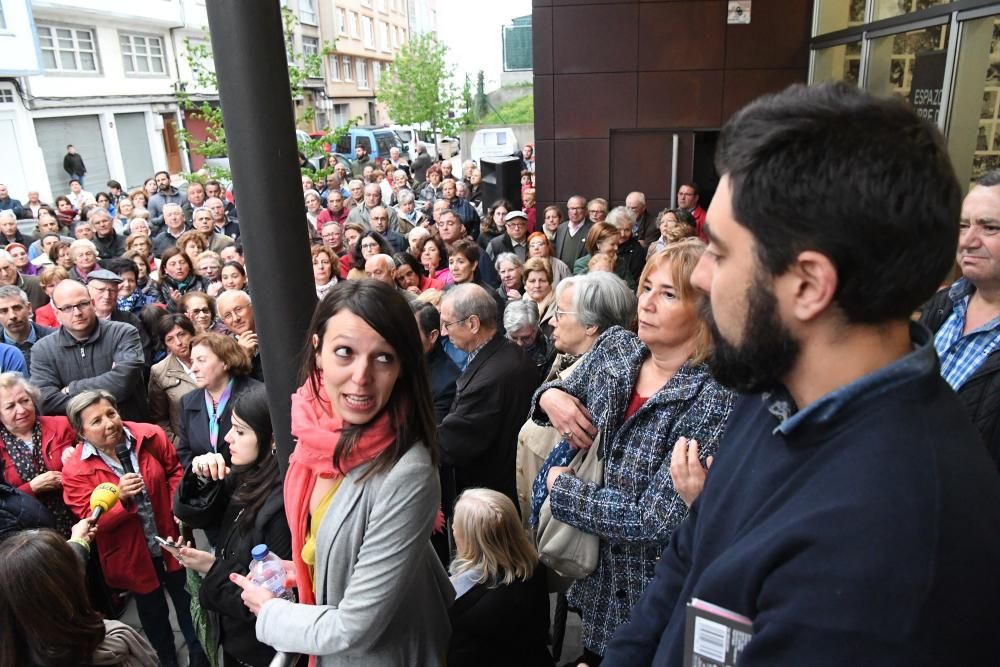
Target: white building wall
(18, 49)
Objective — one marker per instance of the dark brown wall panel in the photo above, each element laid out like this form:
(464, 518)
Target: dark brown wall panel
(544, 173)
(680, 99)
(744, 85)
(582, 168)
(544, 109)
(596, 38)
(541, 40)
(777, 36)
(682, 35)
(614, 79)
(586, 105)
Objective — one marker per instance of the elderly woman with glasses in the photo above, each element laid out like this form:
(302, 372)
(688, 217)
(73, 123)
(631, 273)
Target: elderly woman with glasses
(34, 448)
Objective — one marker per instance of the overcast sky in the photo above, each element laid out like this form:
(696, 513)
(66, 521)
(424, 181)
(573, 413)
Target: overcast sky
(471, 29)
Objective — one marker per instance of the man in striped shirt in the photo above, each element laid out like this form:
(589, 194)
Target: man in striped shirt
(966, 316)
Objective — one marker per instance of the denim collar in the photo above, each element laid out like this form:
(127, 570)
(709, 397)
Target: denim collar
(830, 407)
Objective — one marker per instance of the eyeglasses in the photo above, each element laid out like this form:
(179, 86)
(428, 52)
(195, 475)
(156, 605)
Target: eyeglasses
(369, 246)
(558, 313)
(515, 225)
(200, 311)
(445, 325)
(69, 308)
(238, 311)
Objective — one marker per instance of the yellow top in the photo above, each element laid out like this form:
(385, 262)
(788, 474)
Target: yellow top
(309, 547)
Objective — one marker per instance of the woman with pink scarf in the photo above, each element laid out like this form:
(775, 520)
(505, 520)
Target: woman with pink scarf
(361, 494)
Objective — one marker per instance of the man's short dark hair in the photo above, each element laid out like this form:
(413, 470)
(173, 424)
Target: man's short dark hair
(119, 265)
(165, 173)
(114, 184)
(882, 201)
(690, 184)
(428, 317)
(74, 180)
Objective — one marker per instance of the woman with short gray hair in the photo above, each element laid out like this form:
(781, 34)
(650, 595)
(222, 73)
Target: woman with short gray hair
(510, 268)
(520, 319)
(585, 307)
(131, 557)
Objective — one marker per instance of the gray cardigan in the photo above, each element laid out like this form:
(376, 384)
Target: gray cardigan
(382, 596)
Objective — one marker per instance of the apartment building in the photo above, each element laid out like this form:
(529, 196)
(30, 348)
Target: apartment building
(367, 35)
(99, 74)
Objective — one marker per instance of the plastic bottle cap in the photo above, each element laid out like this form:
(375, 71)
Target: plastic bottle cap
(259, 552)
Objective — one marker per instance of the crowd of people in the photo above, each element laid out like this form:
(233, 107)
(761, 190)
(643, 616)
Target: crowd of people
(782, 407)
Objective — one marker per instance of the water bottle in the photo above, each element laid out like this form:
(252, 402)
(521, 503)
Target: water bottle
(266, 570)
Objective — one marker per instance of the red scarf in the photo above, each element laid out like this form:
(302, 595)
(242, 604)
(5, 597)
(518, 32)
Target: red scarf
(317, 429)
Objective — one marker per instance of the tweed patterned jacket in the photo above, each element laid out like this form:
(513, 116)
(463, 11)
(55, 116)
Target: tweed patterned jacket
(637, 509)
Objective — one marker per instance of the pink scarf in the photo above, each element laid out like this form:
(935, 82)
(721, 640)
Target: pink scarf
(318, 430)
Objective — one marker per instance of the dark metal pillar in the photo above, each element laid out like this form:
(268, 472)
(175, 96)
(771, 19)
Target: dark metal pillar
(251, 65)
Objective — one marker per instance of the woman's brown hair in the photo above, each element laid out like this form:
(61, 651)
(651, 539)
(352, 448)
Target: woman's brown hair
(600, 232)
(229, 352)
(45, 613)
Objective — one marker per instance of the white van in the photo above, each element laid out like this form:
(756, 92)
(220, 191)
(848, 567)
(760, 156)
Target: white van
(494, 142)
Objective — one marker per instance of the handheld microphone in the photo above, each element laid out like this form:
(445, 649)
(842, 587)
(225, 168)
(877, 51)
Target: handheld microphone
(103, 498)
(124, 458)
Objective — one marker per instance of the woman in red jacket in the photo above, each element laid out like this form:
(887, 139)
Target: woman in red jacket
(33, 448)
(131, 558)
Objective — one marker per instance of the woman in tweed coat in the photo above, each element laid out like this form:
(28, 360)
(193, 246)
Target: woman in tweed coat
(642, 393)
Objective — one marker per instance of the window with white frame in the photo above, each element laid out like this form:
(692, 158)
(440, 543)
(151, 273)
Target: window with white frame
(383, 6)
(341, 19)
(310, 47)
(362, 73)
(66, 49)
(345, 68)
(376, 73)
(335, 68)
(142, 54)
(340, 112)
(383, 35)
(6, 95)
(307, 12)
(369, 31)
(354, 25)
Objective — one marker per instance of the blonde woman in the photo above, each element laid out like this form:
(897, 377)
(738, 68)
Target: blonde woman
(501, 610)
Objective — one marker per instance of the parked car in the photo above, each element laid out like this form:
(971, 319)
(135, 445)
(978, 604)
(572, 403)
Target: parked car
(494, 142)
(444, 146)
(376, 140)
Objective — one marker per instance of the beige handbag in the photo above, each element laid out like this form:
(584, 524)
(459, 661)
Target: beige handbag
(565, 549)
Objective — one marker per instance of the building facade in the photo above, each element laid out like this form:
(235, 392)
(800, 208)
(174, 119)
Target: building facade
(367, 35)
(630, 95)
(98, 74)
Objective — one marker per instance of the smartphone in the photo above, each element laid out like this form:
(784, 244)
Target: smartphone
(169, 546)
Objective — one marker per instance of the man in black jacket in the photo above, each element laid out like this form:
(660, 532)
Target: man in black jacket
(109, 242)
(443, 371)
(73, 164)
(965, 317)
(479, 436)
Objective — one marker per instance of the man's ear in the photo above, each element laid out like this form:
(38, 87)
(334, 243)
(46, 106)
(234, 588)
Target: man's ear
(815, 284)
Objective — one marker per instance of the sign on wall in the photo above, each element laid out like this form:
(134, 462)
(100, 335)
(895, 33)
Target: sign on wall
(739, 12)
(927, 84)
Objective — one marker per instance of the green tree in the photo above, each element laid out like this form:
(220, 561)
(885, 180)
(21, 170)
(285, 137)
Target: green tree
(417, 88)
(301, 67)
